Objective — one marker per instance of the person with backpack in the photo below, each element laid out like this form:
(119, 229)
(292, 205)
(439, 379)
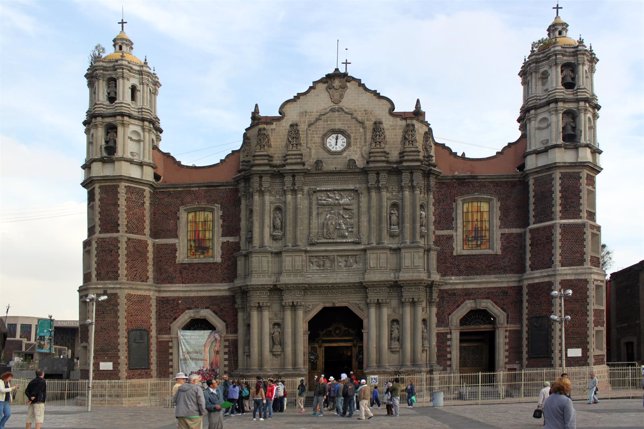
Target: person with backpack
(348, 395)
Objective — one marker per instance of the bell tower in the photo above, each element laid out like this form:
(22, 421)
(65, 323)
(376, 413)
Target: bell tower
(558, 121)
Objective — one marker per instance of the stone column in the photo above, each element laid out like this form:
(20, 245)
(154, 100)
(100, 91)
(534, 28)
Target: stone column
(406, 333)
(257, 212)
(371, 346)
(266, 337)
(299, 336)
(417, 187)
(243, 194)
(418, 332)
(299, 221)
(431, 327)
(373, 208)
(405, 218)
(266, 211)
(288, 212)
(241, 337)
(384, 335)
(384, 222)
(254, 337)
(288, 336)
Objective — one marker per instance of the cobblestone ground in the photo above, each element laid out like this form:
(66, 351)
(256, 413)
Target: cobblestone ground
(608, 414)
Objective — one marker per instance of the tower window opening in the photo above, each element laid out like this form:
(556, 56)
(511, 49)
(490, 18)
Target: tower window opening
(110, 140)
(111, 90)
(560, 33)
(121, 46)
(568, 76)
(569, 132)
(133, 90)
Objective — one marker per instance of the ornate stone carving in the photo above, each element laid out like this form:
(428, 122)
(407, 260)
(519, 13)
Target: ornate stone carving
(378, 137)
(277, 223)
(337, 330)
(319, 165)
(336, 87)
(246, 146)
(394, 334)
(263, 139)
(339, 262)
(321, 263)
(293, 137)
(335, 214)
(409, 136)
(422, 220)
(110, 140)
(394, 220)
(347, 261)
(276, 338)
(425, 334)
(352, 164)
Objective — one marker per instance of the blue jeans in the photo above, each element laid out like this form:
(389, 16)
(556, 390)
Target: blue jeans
(5, 412)
(268, 409)
(339, 402)
(258, 406)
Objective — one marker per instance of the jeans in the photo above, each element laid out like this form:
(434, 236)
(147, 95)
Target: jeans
(410, 403)
(592, 397)
(258, 407)
(349, 406)
(339, 402)
(232, 410)
(268, 409)
(395, 405)
(5, 412)
(318, 402)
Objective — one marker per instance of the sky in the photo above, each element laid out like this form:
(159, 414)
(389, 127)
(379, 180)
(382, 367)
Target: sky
(216, 59)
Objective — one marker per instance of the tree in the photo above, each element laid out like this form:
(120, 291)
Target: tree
(606, 258)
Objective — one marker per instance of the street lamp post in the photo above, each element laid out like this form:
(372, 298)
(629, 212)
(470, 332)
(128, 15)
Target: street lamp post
(91, 299)
(561, 318)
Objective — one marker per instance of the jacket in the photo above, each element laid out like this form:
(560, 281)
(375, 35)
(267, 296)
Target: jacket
(37, 389)
(270, 392)
(558, 413)
(212, 400)
(364, 393)
(6, 389)
(301, 390)
(190, 401)
(320, 389)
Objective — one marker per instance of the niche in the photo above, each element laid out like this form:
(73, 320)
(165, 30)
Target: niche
(394, 220)
(133, 91)
(110, 140)
(111, 90)
(568, 76)
(569, 132)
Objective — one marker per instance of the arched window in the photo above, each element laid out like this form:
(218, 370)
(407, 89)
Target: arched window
(569, 131)
(478, 317)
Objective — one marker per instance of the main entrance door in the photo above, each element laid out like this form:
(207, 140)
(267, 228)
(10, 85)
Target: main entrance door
(335, 343)
(477, 341)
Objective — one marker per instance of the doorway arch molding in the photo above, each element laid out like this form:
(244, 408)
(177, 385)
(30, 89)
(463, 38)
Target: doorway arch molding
(198, 313)
(500, 327)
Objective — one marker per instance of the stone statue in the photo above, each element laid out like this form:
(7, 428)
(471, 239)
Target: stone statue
(569, 129)
(568, 77)
(276, 337)
(277, 220)
(293, 137)
(393, 218)
(111, 90)
(263, 139)
(423, 218)
(110, 142)
(425, 335)
(329, 226)
(395, 333)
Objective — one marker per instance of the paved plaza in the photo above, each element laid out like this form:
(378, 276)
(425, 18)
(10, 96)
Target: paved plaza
(609, 414)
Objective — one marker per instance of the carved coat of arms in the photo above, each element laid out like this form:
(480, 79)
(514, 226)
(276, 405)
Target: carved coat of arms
(336, 87)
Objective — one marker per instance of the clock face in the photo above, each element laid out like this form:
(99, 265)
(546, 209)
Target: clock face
(336, 142)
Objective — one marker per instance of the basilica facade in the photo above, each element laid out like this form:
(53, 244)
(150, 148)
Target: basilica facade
(341, 235)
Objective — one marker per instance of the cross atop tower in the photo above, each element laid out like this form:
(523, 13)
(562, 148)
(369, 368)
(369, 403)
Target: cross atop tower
(122, 22)
(557, 8)
(346, 62)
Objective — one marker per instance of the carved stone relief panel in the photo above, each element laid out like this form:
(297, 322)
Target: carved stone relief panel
(334, 262)
(334, 215)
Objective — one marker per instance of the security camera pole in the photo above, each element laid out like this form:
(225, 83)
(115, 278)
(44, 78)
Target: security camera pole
(561, 318)
(91, 299)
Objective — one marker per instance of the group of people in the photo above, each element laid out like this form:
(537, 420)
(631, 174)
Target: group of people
(555, 402)
(36, 393)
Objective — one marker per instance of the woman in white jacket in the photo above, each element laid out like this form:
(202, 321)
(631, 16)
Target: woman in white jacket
(543, 394)
(6, 396)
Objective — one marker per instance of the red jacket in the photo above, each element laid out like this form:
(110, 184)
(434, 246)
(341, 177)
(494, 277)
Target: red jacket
(270, 392)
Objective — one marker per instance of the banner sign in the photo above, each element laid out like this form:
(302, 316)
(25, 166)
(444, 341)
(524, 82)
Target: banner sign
(44, 333)
(199, 351)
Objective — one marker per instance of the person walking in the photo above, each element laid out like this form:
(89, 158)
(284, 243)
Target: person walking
(364, 395)
(543, 395)
(36, 393)
(233, 396)
(301, 393)
(270, 397)
(592, 389)
(331, 394)
(6, 397)
(180, 379)
(411, 394)
(388, 399)
(395, 397)
(348, 395)
(339, 399)
(375, 397)
(259, 400)
(213, 405)
(190, 404)
(319, 393)
(558, 412)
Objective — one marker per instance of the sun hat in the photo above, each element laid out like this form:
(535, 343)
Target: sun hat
(331, 378)
(181, 375)
(363, 381)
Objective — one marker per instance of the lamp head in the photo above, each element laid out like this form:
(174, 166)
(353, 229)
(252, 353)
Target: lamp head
(554, 294)
(567, 318)
(102, 298)
(567, 292)
(554, 317)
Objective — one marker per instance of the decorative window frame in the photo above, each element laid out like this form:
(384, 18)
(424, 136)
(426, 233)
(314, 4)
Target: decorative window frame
(597, 350)
(495, 222)
(182, 227)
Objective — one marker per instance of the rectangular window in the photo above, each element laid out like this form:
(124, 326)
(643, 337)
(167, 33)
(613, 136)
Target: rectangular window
(11, 330)
(25, 332)
(200, 234)
(138, 349)
(476, 225)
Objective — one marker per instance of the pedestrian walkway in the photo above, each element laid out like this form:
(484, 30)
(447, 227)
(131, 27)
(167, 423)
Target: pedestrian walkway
(613, 414)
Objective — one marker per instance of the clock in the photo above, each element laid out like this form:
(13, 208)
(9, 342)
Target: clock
(336, 142)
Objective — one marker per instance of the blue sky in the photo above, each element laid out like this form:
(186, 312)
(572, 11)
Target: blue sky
(216, 59)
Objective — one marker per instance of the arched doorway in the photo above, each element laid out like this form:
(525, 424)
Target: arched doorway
(335, 342)
(477, 352)
(213, 347)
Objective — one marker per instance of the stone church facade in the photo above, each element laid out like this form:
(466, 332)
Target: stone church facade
(341, 235)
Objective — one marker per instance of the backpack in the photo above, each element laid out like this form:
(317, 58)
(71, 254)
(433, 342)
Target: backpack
(245, 393)
(351, 389)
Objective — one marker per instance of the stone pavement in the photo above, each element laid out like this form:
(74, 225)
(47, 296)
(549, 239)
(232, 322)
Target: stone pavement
(608, 414)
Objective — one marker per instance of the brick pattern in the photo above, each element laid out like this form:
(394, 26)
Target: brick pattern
(136, 260)
(135, 210)
(542, 198)
(443, 350)
(107, 337)
(107, 259)
(87, 275)
(572, 241)
(167, 270)
(509, 299)
(163, 359)
(599, 318)
(108, 219)
(165, 206)
(599, 359)
(595, 261)
(138, 314)
(570, 195)
(512, 197)
(514, 349)
(577, 328)
(170, 308)
(91, 198)
(541, 247)
(511, 260)
(540, 304)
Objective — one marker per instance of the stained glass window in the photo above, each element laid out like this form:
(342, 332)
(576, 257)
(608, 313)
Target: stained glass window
(200, 234)
(476, 225)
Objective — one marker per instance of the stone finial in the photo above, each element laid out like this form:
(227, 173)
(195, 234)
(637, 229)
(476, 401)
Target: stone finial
(417, 109)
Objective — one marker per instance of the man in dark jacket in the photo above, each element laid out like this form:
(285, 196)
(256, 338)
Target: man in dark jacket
(319, 393)
(191, 404)
(36, 393)
(213, 405)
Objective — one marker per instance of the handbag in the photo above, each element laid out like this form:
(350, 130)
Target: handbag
(538, 413)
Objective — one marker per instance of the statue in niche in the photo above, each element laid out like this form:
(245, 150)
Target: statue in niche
(378, 135)
(319, 165)
(569, 128)
(278, 222)
(249, 227)
(395, 333)
(263, 139)
(110, 142)
(423, 218)
(568, 76)
(425, 333)
(351, 164)
(394, 218)
(111, 90)
(276, 337)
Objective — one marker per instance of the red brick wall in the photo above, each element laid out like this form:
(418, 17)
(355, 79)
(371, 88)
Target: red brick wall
(442, 350)
(136, 260)
(512, 196)
(107, 259)
(577, 328)
(599, 318)
(135, 210)
(138, 313)
(541, 247)
(509, 299)
(107, 337)
(570, 195)
(87, 276)
(91, 197)
(514, 347)
(167, 203)
(510, 261)
(170, 308)
(166, 269)
(108, 219)
(572, 240)
(542, 198)
(163, 359)
(539, 304)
